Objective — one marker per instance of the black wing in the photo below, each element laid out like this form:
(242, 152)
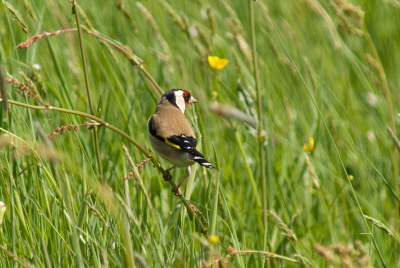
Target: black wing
(153, 131)
(189, 144)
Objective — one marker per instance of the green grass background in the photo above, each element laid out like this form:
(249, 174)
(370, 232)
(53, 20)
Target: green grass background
(39, 229)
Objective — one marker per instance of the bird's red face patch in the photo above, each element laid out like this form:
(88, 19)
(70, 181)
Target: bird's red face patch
(186, 96)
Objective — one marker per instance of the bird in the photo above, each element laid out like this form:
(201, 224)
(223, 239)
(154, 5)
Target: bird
(172, 136)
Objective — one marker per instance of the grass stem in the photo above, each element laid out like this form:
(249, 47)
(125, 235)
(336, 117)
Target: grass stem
(92, 111)
(260, 126)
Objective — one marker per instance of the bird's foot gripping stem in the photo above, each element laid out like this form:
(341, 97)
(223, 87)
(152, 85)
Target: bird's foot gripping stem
(178, 191)
(168, 176)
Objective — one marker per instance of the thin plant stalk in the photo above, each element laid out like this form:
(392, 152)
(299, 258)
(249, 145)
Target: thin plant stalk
(13, 238)
(214, 206)
(95, 136)
(126, 241)
(248, 169)
(260, 127)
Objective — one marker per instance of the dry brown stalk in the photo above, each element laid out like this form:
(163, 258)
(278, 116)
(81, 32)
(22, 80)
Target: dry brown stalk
(379, 224)
(23, 88)
(29, 83)
(311, 169)
(344, 11)
(130, 174)
(394, 137)
(282, 226)
(328, 255)
(62, 129)
(341, 255)
(14, 257)
(372, 62)
(34, 38)
(352, 11)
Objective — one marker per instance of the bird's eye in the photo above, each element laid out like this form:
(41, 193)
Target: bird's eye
(186, 97)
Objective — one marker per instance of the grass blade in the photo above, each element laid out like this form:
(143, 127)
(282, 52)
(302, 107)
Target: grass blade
(214, 205)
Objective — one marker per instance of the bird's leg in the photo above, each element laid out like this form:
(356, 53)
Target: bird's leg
(168, 177)
(179, 184)
(178, 193)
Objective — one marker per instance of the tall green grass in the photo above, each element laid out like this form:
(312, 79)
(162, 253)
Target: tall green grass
(327, 70)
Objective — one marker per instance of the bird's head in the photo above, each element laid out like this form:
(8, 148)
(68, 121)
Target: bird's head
(179, 98)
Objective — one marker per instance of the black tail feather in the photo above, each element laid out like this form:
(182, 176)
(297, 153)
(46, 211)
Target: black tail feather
(199, 158)
(203, 162)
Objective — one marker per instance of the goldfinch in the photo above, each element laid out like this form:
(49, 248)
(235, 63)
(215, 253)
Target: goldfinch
(171, 135)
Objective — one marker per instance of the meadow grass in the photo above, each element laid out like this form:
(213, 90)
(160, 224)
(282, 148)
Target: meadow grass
(90, 196)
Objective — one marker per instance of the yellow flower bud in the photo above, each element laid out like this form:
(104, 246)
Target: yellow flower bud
(213, 239)
(309, 147)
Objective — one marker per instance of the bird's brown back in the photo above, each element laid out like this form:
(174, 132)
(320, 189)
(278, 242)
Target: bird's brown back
(169, 121)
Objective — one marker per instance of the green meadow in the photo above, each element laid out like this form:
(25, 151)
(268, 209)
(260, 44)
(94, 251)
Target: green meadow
(301, 123)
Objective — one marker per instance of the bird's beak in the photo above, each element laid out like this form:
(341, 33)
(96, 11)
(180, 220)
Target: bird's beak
(193, 100)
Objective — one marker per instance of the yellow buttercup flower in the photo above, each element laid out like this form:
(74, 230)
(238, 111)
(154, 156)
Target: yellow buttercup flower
(351, 177)
(213, 239)
(216, 62)
(309, 147)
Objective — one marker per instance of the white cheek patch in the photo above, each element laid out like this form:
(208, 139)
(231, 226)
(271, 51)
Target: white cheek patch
(180, 102)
